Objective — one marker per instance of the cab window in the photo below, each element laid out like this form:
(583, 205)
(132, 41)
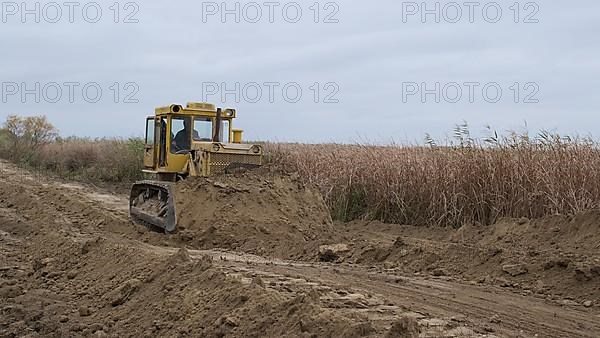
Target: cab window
(162, 139)
(225, 132)
(150, 131)
(203, 129)
(181, 132)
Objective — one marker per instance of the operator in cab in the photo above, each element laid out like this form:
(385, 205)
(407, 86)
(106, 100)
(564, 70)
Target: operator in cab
(183, 140)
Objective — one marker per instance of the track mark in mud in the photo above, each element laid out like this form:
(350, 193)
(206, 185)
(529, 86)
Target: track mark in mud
(440, 304)
(340, 296)
(109, 201)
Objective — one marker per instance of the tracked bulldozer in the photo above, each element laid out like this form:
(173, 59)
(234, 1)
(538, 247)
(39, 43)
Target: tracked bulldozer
(182, 142)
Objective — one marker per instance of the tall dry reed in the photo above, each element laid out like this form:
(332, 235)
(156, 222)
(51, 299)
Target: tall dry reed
(466, 182)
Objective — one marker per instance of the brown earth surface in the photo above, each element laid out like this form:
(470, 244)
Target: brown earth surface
(259, 212)
(72, 264)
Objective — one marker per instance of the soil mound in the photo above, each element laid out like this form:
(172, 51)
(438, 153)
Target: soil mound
(577, 234)
(84, 286)
(555, 255)
(259, 211)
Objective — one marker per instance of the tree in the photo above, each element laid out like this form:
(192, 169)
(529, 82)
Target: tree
(25, 135)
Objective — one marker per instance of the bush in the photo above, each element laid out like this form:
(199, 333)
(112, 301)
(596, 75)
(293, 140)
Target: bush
(22, 137)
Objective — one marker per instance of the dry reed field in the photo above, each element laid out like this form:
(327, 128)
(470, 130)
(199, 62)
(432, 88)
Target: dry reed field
(103, 160)
(467, 182)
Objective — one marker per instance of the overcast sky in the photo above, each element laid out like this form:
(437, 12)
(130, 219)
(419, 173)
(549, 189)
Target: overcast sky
(362, 67)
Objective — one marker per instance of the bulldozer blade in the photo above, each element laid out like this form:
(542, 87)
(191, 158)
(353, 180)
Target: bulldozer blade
(151, 204)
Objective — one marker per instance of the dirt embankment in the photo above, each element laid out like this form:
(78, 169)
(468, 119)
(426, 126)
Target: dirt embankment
(83, 286)
(556, 257)
(261, 212)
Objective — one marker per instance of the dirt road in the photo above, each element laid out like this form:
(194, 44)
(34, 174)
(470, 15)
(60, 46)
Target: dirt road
(71, 263)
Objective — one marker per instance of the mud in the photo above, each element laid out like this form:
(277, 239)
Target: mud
(72, 264)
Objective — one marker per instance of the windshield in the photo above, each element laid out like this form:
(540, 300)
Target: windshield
(203, 128)
(180, 127)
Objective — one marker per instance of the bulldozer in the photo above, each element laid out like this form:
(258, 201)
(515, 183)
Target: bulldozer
(197, 140)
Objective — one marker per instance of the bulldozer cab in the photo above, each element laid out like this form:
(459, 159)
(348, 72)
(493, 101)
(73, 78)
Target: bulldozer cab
(193, 140)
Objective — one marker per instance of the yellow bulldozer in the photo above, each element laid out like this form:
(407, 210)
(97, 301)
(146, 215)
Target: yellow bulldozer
(196, 140)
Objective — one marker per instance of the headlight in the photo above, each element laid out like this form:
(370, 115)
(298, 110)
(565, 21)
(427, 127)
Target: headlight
(256, 149)
(216, 147)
